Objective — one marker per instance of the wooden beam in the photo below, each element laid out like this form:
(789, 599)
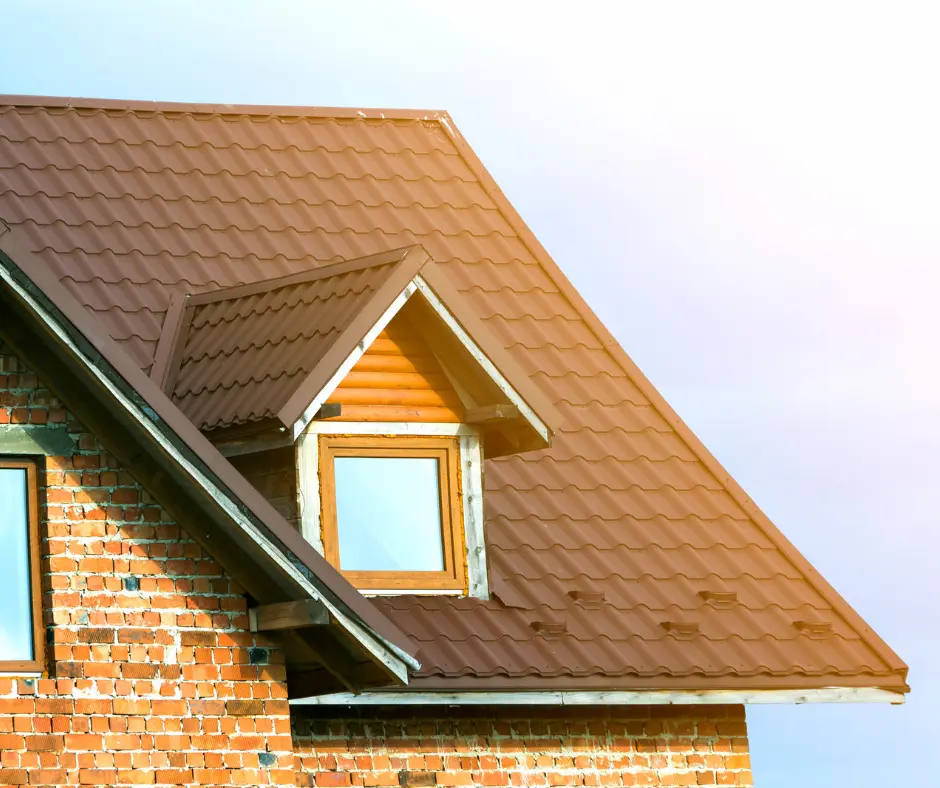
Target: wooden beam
(288, 615)
(612, 698)
(498, 412)
(329, 410)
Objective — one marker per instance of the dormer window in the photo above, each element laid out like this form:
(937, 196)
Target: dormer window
(392, 392)
(391, 511)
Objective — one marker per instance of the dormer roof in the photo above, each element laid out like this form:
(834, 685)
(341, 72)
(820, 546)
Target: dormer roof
(278, 348)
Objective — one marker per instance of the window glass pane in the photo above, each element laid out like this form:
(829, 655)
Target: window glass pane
(16, 639)
(388, 514)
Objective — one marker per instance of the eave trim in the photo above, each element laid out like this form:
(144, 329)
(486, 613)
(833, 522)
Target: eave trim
(611, 698)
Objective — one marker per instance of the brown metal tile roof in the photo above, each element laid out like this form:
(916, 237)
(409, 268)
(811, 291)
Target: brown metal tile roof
(623, 557)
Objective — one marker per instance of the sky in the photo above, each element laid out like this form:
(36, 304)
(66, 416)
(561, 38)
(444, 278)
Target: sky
(748, 195)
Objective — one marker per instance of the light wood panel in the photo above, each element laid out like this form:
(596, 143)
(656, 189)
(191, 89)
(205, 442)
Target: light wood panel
(398, 379)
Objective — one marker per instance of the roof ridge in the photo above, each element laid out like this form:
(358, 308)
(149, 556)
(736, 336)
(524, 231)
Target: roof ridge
(684, 432)
(302, 277)
(201, 108)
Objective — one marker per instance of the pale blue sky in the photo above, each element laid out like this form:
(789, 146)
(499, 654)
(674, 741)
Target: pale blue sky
(749, 197)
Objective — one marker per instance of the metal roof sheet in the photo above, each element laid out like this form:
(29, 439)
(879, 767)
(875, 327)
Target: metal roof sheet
(133, 203)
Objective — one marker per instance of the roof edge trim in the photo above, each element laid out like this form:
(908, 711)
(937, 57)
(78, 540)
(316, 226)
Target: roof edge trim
(168, 340)
(483, 360)
(711, 463)
(303, 277)
(198, 108)
(834, 694)
(303, 404)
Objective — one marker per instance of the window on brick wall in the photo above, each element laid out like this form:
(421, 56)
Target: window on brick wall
(21, 619)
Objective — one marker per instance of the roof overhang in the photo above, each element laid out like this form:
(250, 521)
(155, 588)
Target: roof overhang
(65, 345)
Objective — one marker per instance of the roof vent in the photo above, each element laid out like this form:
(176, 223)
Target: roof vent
(681, 628)
(720, 598)
(814, 628)
(591, 599)
(550, 628)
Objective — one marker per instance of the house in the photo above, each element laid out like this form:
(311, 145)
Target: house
(316, 470)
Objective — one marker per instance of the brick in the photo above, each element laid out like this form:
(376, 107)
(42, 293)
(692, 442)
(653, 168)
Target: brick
(90, 635)
(136, 670)
(97, 776)
(244, 708)
(136, 777)
(332, 779)
(174, 776)
(409, 779)
(54, 777)
(455, 778)
(44, 743)
(198, 638)
(134, 635)
(128, 706)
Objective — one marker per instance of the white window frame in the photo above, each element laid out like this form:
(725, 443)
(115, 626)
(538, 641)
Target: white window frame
(471, 467)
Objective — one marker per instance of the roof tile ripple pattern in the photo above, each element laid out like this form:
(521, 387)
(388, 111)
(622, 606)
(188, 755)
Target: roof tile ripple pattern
(654, 569)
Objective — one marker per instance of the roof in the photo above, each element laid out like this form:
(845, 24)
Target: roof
(623, 557)
(47, 326)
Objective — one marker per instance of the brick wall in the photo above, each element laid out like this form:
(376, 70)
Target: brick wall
(152, 677)
(651, 746)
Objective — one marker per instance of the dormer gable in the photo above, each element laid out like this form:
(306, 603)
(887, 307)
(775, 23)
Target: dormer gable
(398, 379)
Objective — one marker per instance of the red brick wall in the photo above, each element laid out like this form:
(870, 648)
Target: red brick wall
(652, 746)
(151, 676)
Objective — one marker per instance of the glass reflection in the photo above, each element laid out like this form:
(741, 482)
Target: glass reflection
(388, 514)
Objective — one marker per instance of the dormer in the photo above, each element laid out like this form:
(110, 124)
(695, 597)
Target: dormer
(362, 398)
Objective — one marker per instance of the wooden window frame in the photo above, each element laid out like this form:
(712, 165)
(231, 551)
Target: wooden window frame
(34, 665)
(447, 451)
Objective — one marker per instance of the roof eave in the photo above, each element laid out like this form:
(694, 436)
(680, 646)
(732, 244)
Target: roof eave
(614, 697)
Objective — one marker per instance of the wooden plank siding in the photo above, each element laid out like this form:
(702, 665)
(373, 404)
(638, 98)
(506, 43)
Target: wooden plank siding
(398, 379)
